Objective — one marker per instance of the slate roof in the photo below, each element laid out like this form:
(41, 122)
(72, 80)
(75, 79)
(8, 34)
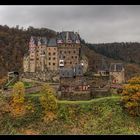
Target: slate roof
(44, 40)
(64, 36)
(68, 35)
(52, 42)
(66, 72)
(71, 72)
(116, 67)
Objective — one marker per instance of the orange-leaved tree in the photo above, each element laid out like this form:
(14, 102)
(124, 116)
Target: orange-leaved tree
(131, 96)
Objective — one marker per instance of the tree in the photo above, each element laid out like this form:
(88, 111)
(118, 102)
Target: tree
(18, 98)
(131, 96)
(48, 102)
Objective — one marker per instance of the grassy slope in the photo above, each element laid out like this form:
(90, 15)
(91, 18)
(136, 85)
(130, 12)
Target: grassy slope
(97, 116)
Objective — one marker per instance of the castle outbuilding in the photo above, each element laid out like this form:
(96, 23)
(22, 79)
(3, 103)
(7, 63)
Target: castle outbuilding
(117, 73)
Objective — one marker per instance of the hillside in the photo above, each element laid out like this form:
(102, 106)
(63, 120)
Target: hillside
(98, 116)
(125, 51)
(95, 62)
(14, 44)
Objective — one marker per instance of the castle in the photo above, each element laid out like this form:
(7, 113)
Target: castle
(61, 60)
(48, 58)
(52, 54)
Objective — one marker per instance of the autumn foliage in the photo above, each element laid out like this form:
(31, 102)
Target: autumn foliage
(48, 102)
(18, 99)
(3, 81)
(131, 96)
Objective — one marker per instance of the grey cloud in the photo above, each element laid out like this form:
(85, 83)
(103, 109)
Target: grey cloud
(97, 23)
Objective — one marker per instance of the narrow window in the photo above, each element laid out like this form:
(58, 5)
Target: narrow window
(49, 63)
(53, 64)
(49, 53)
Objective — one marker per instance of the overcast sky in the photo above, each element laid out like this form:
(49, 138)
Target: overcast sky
(95, 23)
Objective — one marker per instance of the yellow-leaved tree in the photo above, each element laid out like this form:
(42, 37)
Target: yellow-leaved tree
(18, 108)
(131, 96)
(48, 102)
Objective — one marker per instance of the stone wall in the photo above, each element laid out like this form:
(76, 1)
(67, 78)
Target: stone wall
(100, 92)
(77, 95)
(45, 76)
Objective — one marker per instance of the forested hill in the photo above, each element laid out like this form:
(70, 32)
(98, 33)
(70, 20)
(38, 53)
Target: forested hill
(14, 44)
(128, 52)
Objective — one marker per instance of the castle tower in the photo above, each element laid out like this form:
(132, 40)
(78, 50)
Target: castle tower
(68, 49)
(32, 54)
(26, 63)
(52, 54)
(42, 62)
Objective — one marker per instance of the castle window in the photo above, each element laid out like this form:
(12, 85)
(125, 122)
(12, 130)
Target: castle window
(49, 53)
(71, 56)
(63, 56)
(54, 48)
(49, 63)
(73, 51)
(54, 53)
(49, 58)
(65, 63)
(53, 58)
(65, 52)
(70, 62)
(60, 52)
(54, 64)
(75, 56)
(69, 52)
